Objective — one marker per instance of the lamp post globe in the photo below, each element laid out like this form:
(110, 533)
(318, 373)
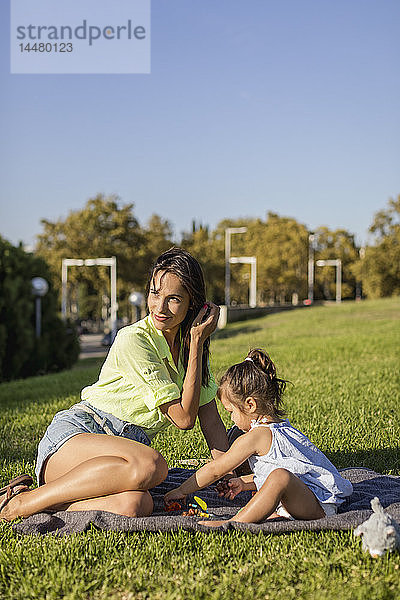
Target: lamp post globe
(136, 299)
(40, 287)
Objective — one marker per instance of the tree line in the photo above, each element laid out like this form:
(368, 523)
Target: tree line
(106, 227)
(22, 353)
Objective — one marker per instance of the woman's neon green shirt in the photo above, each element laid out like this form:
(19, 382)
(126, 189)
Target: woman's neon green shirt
(138, 376)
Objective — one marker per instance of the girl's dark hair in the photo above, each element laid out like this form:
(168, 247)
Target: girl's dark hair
(255, 377)
(187, 269)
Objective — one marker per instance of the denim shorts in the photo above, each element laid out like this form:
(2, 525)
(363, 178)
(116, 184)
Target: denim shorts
(76, 419)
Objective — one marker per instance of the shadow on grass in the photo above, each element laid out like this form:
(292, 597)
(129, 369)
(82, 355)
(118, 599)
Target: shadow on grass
(43, 389)
(380, 460)
(229, 333)
(88, 363)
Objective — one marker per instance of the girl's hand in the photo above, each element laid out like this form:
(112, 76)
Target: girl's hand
(174, 496)
(205, 322)
(222, 487)
(230, 489)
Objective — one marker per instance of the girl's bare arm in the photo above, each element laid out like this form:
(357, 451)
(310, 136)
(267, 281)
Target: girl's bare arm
(241, 449)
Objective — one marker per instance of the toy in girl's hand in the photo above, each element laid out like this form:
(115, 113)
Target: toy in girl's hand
(222, 487)
(380, 533)
(173, 506)
(198, 510)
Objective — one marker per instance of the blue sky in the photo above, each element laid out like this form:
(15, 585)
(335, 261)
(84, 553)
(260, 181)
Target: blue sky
(283, 105)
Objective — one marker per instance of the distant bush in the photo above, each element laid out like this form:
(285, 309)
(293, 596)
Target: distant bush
(21, 353)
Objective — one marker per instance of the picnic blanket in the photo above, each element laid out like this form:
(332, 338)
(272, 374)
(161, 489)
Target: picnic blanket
(366, 483)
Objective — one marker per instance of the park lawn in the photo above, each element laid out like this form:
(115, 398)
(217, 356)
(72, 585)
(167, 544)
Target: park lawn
(343, 362)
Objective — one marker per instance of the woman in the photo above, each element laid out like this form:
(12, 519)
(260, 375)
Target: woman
(156, 374)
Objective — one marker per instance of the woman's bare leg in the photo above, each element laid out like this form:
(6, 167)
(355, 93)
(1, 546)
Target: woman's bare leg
(130, 504)
(87, 466)
(280, 486)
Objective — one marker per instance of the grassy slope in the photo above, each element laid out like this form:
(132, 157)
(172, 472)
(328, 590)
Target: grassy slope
(344, 364)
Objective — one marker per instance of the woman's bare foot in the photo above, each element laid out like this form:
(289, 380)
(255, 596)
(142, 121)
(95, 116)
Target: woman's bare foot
(10, 511)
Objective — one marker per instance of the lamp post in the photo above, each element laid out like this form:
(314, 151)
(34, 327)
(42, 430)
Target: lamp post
(40, 287)
(228, 232)
(136, 299)
(359, 290)
(311, 241)
(91, 262)
(249, 260)
(338, 264)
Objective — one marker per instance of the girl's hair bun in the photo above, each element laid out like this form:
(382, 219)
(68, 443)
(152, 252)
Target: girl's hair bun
(256, 376)
(263, 362)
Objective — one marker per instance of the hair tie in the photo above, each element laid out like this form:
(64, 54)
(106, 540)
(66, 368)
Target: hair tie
(248, 358)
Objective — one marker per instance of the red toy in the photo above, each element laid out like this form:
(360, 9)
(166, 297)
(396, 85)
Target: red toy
(173, 506)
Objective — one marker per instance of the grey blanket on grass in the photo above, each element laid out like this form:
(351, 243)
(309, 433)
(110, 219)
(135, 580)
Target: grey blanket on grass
(366, 483)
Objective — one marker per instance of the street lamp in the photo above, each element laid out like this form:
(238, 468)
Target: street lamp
(359, 290)
(40, 287)
(228, 232)
(249, 260)
(338, 264)
(311, 242)
(136, 299)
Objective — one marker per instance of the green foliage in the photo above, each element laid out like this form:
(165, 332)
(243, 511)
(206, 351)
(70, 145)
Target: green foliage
(332, 245)
(379, 269)
(21, 354)
(281, 247)
(343, 362)
(208, 248)
(103, 228)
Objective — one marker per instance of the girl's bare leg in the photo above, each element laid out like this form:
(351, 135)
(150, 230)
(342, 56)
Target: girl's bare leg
(280, 486)
(90, 466)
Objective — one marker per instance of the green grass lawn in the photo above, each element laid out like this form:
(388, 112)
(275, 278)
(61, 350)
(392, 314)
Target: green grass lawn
(343, 362)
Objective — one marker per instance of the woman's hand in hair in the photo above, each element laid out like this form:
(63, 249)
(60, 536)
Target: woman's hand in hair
(205, 322)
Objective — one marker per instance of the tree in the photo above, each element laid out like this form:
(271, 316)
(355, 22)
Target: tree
(103, 228)
(209, 251)
(281, 248)
(332, 245)
(21, 354)
(157, 235)
(379, 269)
(280, 245)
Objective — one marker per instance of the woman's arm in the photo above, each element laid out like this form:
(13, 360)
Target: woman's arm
(241, 449)
(213, 429)
(183, 411)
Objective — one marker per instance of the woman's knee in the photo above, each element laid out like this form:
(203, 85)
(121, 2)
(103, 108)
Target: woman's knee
(158, 469)
(151, 470)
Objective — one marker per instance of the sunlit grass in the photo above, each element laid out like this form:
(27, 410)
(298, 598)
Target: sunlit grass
(343, 362)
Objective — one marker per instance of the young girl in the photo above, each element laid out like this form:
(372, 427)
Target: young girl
(293, 479)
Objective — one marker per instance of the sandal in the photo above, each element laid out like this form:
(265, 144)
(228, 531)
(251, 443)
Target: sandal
(22, 481)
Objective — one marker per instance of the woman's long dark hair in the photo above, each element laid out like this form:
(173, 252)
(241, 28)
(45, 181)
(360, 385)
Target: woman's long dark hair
(187, 269)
